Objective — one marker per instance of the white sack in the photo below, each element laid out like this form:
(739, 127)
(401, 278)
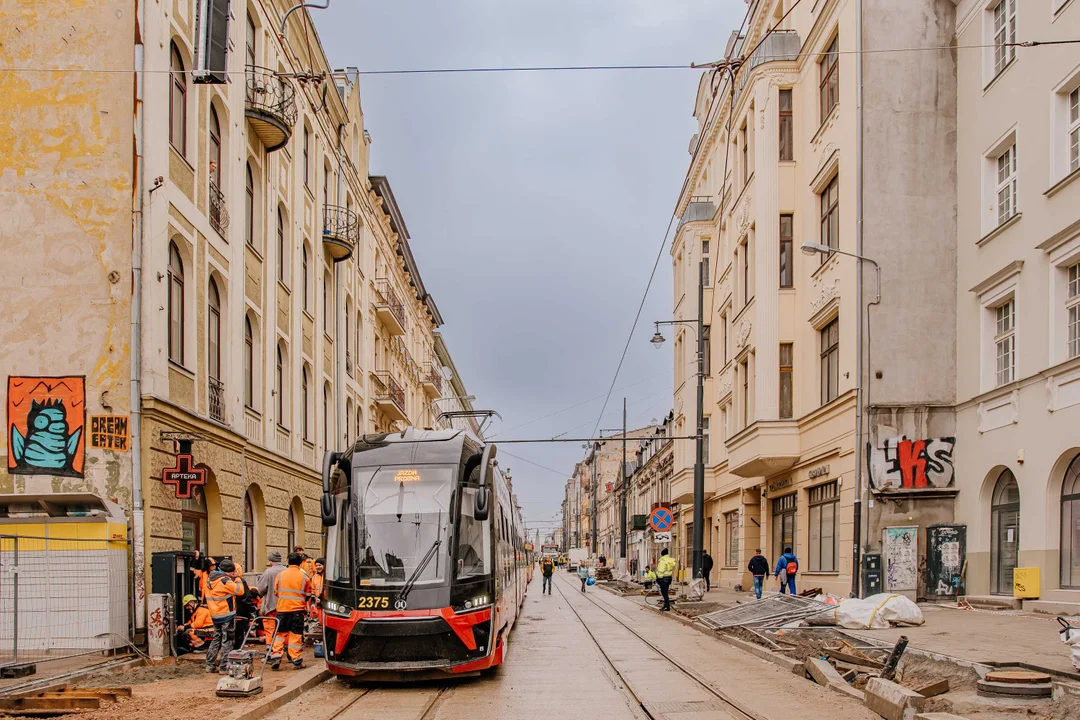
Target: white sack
(1071, 636)
(877, 612)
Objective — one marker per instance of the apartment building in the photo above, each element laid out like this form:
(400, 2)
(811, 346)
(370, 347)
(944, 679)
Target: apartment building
(650, 488)
(776, 163)
(1018, 289)
(606, 487)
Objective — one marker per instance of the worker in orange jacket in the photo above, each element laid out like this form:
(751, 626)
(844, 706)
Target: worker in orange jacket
(197, 629)
(292, 588)
(318, 579)
(306, 563)
(222, 589)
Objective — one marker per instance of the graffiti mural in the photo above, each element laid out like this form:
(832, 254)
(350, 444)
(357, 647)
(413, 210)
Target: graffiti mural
(902, 464)
(46, 419)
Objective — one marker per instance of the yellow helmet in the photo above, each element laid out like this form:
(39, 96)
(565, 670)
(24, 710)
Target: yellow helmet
(188, 599)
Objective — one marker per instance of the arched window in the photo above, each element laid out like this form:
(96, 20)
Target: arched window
(359, 421)
(307, 281)
(215, 149)
(305, 392)
(213, 332)
(176, 305)
(326, 289)
(282, 257)
(1070, 526)
(249, 364)
(249, 207)
(348, 419)
(326, 416)
(178, 102)
(249, 532)
(1004, 532)
(279, 388)
(290, 537)
(193, 522)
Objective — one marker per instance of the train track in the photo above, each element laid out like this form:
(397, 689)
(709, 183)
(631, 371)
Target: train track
(728, 705)
(366, 697)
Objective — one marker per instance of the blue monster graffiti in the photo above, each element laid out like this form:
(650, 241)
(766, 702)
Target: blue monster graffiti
(46, 418)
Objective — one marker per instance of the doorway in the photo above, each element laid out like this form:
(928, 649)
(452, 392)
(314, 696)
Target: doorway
(783, 524)
(1004, 533)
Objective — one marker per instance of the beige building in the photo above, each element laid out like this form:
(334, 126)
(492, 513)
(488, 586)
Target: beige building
(605, 458)
(1018, 321)
(776, 163)
(277, 309)
(650, 488)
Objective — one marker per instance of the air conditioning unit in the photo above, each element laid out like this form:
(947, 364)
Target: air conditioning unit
(211, 42)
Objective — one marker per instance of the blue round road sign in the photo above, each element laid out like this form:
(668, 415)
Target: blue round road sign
(660, 520)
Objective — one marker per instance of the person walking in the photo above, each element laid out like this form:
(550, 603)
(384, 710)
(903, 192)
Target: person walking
(789, 565)
(583, 575)
(665, 571)
(265, 584)
(759, 568)
(222, 590)
(292, 588)
(547, 569)
(706, 569)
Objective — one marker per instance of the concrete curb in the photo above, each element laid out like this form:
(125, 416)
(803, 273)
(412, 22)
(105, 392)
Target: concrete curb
(310, 677)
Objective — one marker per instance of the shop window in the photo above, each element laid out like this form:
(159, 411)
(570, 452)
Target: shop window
(193, 522)
(731, 532)
(824, 549)
(783, 523)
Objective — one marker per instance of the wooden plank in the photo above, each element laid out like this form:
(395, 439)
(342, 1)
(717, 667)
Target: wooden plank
(123, 691)
(50, 703)
(854, 659)
(935, 688)
(864, 669)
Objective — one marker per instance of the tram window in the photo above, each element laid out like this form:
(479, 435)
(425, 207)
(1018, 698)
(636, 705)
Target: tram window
(338, 565)
(474, 544)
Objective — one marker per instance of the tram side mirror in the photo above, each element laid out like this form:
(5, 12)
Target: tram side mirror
(483, 504)
(328, 508)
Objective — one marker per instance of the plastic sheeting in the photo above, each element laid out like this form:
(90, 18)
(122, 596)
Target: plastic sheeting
(1071, 637)
(877, 612)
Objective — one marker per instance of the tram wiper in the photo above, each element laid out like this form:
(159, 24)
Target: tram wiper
(408, 586)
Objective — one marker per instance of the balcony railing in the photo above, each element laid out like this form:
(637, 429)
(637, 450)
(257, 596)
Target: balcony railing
(431, 379)
(270, 106)
(389, 395)
(341, 231)
(219, 216)
(217, 399)
(388, 307)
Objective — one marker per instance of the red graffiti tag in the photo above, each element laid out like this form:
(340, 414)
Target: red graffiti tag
(911, 457)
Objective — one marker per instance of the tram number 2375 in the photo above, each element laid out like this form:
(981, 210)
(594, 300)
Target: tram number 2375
(372, 602)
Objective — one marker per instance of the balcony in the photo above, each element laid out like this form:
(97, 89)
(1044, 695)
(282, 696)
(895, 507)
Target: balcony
(217, 399)
(700, 207)
(431, 380)
(388, 307)
(389, 397)
(341, 231)
(270, 106)
(219, 216)
(764, 448)
(783, 45)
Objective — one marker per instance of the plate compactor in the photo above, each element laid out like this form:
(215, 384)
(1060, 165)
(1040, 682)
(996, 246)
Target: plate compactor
(241, 679)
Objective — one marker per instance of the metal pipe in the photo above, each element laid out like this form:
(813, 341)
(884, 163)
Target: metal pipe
(138, 560)
(625, 489)
(699, 441)
(294, 8)
(856, 590)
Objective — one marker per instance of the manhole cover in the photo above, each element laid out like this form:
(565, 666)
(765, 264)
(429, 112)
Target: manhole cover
(1017, 676)
(1014, 689)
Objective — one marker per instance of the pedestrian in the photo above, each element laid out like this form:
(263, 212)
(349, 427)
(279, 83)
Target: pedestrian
(603, 560)
(583, 575)
(292, 587)
(197, 629)
(265, 585)
(648, 577)
(706, 569)
(665, 570)
(759, 568)
(547, 569)
(789, 565)
(246, 610)
(306, 563)
(222, 589)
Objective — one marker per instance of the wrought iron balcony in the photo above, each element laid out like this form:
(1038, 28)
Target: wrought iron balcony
(389, 397)
(388, 307)
(341, 231)
(431, 380)
(217, 399)
(219, 216)
(270, 106)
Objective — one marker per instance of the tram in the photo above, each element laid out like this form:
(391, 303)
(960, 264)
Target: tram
(426, 568)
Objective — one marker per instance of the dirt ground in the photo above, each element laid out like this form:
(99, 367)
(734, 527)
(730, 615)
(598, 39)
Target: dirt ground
(692, 609)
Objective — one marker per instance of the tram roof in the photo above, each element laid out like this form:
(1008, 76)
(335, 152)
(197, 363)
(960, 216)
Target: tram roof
(413, 446)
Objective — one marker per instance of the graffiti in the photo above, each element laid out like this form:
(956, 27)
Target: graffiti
(109, 432)
(46, 418)
(903, 464)
(156, 627)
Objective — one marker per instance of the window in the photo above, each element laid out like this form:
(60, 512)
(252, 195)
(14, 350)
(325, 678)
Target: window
(307, 158)
(178, 103)
(783, 523)
(830, 216)
(745, 371)
(290, 533)
(249, 365)
(706, 347)
(215, 150)
(1070, 526)
(748, 288)
(705, 279)
(1006, 184)
(1072, 305)
(1073, 130)
(213, 332)
(326, 416)
(305, 397)
(787, 245)
(193, 521)
(281, 248)
(326, 184)
(249, 42)
(326, 304)
(1004, 532)
(830, 361)
(279, 388)
(306, 280)
(176, 305)
(731, 532)
(787, 127)
(249, 207)
(249, 533)
(705, 439)
(744, 137)
(830, 78)
(824, 548)
(1005, 342)
(1004, 34)
(787, 400)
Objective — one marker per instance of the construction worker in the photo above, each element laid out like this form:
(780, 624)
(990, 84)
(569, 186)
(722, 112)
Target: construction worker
(648, 577)
(222, 589)
(292, 587)
(665, 570)
(317, 581)
(306, 563)
(201, 567)
(197, 629)
(265, 584)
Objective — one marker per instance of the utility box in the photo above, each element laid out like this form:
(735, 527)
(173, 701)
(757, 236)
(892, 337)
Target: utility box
(1026, 583)
(871, 566)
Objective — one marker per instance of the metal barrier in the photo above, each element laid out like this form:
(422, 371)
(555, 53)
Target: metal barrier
(62, 597)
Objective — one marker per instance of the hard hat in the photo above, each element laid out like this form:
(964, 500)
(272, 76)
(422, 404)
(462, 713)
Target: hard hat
(187, 599)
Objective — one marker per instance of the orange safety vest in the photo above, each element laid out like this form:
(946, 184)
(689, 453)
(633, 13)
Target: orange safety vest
(308, 566)
(317, 584)
(292, 586)
(220, 591)
(200, 619)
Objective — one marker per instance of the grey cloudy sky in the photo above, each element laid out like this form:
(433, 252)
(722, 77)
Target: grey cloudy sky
(536, 202)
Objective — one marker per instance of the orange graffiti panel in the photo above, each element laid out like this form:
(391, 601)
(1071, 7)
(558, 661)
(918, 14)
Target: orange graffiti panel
(46, 425)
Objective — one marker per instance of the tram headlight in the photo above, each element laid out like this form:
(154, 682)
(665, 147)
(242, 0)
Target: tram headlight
(477, 602)
(335, 608)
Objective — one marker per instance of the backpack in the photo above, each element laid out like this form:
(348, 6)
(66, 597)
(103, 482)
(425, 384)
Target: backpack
(792, 567)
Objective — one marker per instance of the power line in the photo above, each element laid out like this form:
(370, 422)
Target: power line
(526, 460)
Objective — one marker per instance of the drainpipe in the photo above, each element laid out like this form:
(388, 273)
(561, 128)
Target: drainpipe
(340, 309)
(856, 590)
(138, 549)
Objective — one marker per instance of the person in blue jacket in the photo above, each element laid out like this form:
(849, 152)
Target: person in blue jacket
(789, 565)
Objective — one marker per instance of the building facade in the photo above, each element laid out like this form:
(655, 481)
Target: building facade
(776, 163)
(650, 488)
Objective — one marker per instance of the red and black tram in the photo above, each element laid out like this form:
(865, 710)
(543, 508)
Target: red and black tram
(426, 567)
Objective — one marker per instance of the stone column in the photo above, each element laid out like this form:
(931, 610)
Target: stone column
(766, 251)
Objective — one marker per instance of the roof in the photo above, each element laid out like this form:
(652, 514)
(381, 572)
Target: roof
(74, 504)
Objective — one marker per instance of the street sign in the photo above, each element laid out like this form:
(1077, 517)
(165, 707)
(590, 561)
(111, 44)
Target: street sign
(185, 476)
(664, 537)
(660, 520)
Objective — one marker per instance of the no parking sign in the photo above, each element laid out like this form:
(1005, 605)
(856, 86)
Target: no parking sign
(660, 520)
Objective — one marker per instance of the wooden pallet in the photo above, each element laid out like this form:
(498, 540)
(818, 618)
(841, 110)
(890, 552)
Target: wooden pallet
(60, 701)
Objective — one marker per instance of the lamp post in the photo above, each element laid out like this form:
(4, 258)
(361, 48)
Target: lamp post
(812, 248)
(699, 438)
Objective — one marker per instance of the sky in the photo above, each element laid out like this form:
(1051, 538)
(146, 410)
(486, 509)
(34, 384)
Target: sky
(537, 202)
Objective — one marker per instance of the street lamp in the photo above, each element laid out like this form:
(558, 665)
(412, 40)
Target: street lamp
(813, 248)
(657, 339)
